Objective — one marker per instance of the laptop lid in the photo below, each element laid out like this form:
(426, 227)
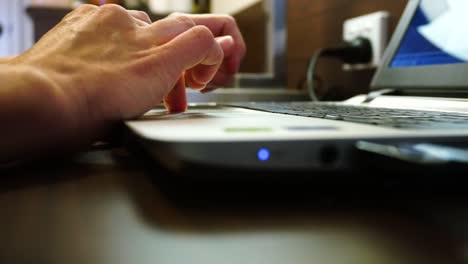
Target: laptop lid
(428, 52)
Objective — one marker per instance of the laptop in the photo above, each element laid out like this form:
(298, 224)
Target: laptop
(416, 112)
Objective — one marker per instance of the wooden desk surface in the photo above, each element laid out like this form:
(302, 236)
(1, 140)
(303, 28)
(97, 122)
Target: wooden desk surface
(98, 209)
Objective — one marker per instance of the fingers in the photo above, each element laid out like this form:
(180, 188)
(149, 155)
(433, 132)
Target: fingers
(141, 17)
(184, 48)
(164, 30)
(199, 77)
(223, 25)
(227, 44)
(224, 75)
(195, 47)
(221, 79)
(176, 100)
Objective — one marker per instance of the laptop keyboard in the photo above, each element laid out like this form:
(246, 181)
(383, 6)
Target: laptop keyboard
(386, 117)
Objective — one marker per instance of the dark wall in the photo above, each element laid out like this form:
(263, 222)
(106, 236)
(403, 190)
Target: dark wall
(252, 23)
(314, 24)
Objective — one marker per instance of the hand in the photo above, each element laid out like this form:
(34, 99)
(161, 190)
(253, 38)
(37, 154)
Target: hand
(104, 64)
(114, 64)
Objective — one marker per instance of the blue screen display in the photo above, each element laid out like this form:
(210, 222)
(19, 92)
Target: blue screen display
(434, 36)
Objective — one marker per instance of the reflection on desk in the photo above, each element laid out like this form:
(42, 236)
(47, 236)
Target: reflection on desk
(102, 207)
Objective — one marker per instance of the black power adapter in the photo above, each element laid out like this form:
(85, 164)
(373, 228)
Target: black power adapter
(357, 51)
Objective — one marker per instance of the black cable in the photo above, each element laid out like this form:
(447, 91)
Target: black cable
(310, 74)
(358, 50)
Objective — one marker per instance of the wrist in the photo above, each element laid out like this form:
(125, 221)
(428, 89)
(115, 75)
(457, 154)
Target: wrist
(33, 108)
(70, 82)
(5, 60)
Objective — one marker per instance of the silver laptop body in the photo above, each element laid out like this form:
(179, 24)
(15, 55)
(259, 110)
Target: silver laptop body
(252, 137)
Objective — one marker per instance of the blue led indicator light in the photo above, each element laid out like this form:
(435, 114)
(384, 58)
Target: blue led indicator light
(263, 154)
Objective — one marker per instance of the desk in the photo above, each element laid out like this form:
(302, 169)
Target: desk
(102, 207)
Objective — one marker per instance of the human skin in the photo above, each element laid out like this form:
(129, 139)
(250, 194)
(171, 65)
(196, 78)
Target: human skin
(101, 65)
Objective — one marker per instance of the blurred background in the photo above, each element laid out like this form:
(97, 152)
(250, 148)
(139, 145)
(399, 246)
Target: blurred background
(281, 35)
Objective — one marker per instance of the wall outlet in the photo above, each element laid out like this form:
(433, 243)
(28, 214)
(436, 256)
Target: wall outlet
(375, 27)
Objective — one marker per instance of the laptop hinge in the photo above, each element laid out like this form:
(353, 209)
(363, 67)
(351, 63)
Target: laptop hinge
(374, 94)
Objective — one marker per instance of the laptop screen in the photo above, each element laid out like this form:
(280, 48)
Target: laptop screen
(436, 35)
(428, 51)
